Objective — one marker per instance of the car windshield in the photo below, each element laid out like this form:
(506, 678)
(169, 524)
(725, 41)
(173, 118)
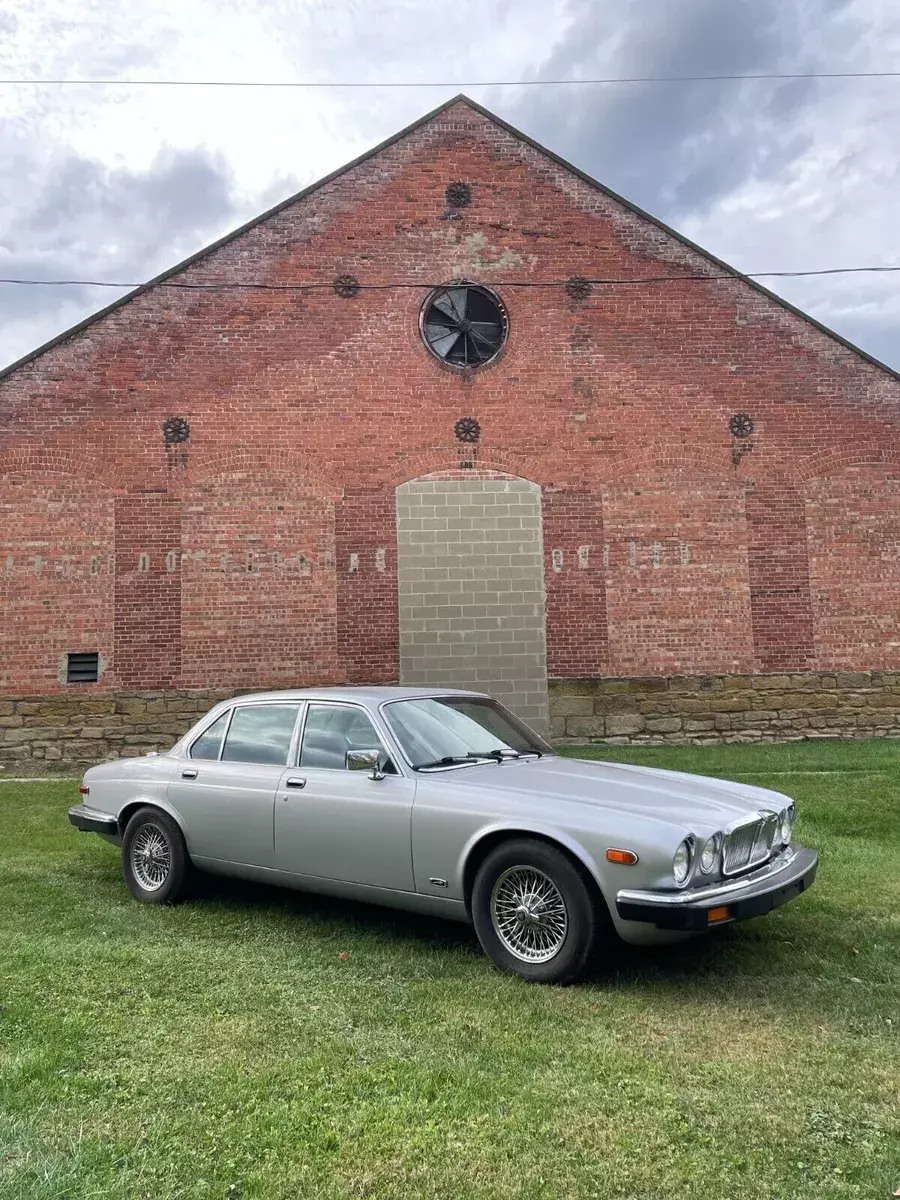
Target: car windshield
(440, 731)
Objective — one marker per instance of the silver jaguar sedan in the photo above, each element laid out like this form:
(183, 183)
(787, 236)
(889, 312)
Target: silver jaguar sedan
(445, 803)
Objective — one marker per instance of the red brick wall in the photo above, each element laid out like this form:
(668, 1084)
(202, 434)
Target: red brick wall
(307, 410)
(147, 641)
(574, 550)
(366, 560)
(56, 576)
(258, 582)
(678, 597)
(853, 516)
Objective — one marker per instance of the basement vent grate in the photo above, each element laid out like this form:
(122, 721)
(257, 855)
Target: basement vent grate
(82, 668)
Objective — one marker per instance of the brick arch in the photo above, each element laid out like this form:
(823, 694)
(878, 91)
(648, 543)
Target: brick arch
(251, 460)
(871, 454)
(679, 458)
(445, 459)
(471, 586)
(57, 460)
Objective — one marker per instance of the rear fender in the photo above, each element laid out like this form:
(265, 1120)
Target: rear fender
(125, 812)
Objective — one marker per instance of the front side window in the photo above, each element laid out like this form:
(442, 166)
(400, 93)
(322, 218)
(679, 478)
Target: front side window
(209, 743)
(330, 731)
(446, 730)
(260, 733)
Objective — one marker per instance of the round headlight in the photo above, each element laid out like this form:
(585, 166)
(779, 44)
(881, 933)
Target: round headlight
(709, 856)
(787, 824)
(681, 863)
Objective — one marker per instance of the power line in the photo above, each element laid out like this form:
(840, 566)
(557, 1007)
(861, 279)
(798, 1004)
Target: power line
(510, 283)
(480, 83)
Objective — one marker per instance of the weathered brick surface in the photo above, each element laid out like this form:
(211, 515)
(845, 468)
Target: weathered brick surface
(263, 551)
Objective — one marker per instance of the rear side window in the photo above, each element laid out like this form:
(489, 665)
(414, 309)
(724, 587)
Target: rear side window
(209, 743)
(260, 733)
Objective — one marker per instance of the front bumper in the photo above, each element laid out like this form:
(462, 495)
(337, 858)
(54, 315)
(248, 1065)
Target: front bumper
(89, 820)
(754, 894)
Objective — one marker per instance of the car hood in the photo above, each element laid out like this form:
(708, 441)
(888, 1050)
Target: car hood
(668, 795)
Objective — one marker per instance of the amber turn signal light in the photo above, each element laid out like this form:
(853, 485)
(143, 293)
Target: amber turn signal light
(626, 857)
(715, 915)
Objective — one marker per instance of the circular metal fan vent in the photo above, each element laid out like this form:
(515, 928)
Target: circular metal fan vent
(464, 324)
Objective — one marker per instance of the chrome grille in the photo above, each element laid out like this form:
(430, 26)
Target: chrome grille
(749, 844)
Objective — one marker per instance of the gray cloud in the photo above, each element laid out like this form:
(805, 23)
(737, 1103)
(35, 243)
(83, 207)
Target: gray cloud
(76, 218)
(675, 148)
(767, 175)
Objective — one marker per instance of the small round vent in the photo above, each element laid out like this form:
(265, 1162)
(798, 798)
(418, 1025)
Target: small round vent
(464, 325)
(467, 429)
(346, 286)
(176, 430)
(458, 195)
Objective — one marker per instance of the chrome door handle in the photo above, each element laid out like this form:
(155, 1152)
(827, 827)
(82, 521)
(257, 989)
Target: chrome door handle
(295, 781)
(189, 774)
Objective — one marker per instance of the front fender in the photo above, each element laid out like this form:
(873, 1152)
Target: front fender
(545, 831)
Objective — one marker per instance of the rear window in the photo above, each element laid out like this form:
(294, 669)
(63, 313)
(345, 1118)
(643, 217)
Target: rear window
(260, 733)
(209, 743)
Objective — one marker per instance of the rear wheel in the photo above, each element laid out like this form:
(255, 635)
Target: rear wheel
(535, 913)
(155, 861)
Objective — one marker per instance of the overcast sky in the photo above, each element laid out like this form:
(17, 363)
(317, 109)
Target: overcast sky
(117, 183)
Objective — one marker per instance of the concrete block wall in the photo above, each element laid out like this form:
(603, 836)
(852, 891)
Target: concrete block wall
(471, 589)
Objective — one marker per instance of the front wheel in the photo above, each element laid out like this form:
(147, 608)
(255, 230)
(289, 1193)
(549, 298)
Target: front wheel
(155, 861)
(534, 912)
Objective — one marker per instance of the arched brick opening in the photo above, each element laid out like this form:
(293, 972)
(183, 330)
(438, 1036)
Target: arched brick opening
(471, 595)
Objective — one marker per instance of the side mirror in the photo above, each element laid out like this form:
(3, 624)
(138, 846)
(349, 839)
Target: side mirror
(373, 761)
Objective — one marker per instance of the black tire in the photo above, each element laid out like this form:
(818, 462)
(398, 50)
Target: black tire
(511, 866)
(151, 829)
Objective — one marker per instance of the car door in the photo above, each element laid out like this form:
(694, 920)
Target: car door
(335, 823)
(225, 790)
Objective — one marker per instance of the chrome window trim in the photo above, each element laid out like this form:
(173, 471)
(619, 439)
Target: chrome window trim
(229, 712)
(257, 704)
(376, 723)
(715, 890)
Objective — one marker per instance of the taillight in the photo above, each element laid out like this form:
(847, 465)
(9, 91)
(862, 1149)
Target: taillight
(84, 791)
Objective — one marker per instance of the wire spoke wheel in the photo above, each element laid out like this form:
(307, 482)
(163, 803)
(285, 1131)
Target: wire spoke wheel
(151, 857)
(529, 914)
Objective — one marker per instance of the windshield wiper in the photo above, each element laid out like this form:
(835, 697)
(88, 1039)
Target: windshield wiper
(450, 760)
(497, 756)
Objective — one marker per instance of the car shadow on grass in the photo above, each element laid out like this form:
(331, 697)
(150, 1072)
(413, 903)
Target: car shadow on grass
(733, 961)
(333, 914)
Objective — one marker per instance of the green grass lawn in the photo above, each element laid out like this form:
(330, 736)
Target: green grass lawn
(265, 1044)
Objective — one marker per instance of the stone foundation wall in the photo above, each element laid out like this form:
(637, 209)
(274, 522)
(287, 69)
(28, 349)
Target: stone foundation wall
(705, 710)
(77, 729)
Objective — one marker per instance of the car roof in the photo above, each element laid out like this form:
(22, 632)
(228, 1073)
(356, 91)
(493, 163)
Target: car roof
(371, 695)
